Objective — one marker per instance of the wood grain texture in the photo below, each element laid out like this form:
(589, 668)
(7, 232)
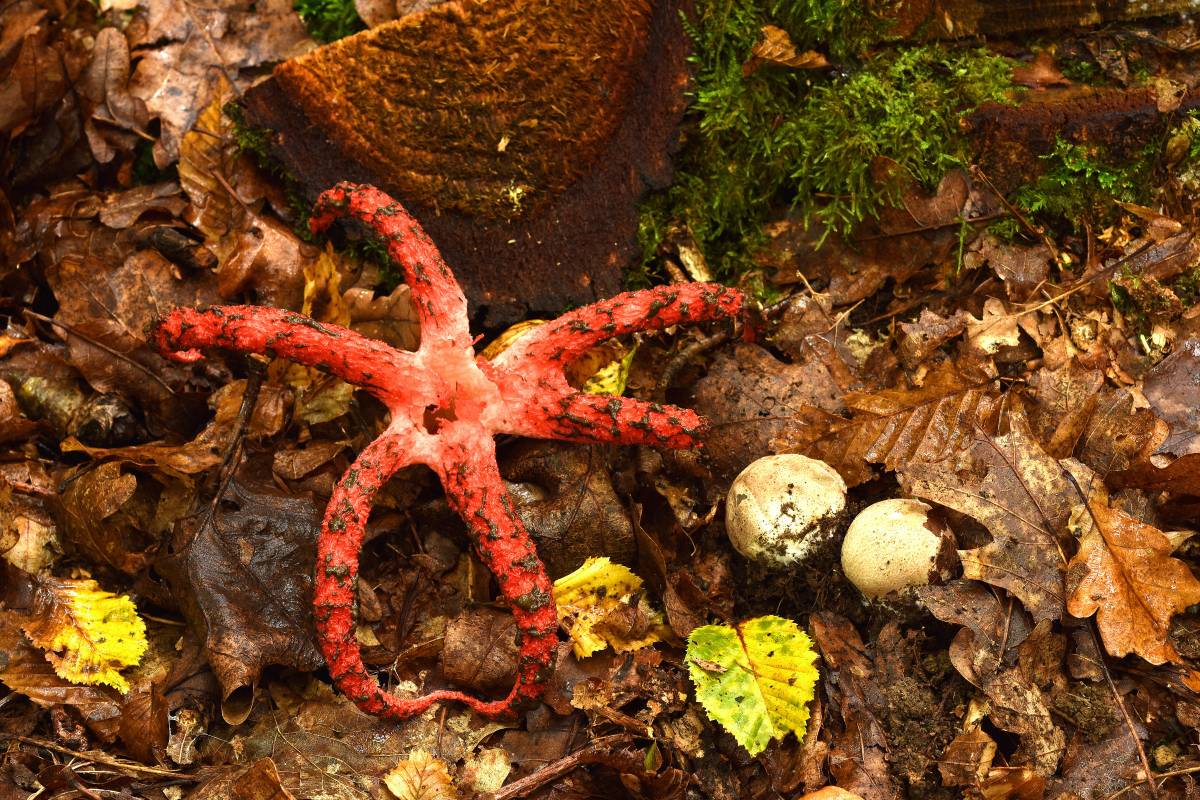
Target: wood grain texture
(520, 132)
(940, 18)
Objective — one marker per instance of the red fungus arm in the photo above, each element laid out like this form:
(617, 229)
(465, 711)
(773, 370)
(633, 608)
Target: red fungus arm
(277, 332)
(465, 461)
(581, 417)
(440, 303)
(571, 335)
(476, 491)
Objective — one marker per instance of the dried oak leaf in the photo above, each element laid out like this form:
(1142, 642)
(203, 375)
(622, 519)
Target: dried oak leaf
(1024, 499)
(1173, 390)
(245, 581)
(1124, 573)
(898, 427)
(1181, 476)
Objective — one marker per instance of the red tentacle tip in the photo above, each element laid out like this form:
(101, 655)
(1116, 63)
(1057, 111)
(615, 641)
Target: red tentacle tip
(167, 335)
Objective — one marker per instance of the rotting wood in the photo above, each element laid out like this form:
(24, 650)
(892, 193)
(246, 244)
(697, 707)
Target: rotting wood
(1010, 140)
(520, 132)
(952, 18)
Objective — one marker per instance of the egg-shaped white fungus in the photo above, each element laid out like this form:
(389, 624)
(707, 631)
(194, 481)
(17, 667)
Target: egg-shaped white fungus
(897, 545)
(784, 510)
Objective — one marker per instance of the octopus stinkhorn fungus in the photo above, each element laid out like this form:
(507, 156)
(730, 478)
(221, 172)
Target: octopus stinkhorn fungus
(446, 404)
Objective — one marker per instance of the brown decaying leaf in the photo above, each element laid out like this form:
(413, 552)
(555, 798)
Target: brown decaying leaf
(564, 494)
(898, 427)
(1173, 390)
(993, 630)
(1125, 574)
(1075, 414)
(1018, 706)
(245, 582)
(918, 340)
(1181, 476)
(256, 781)
(1020, 494)
(188, 49)
(480, 650)
(752, 398)
(858, 754)
(776, 47)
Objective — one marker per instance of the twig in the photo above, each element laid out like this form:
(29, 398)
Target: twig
(598, 751)
(1175, 773)
(114, 353)
(98, 758)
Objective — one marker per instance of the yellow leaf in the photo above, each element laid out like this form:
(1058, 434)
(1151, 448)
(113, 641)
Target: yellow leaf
(756, 680)
(603, 369)
(420, 777)
(88, 634)
(602, 604)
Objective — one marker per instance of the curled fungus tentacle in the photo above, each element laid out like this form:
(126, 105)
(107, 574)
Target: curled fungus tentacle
(446, 407)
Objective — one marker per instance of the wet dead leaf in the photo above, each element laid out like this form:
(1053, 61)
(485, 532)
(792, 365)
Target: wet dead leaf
(188, 48)
(858, 756)
(245, 582)
(1173, 390)
(1021, 495)
(901, 426)
(1018, 706)
(1125, 574)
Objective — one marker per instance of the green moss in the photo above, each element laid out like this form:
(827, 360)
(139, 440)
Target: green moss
(145, 171)
(805, 138)
(1083, 183)
(329, 20)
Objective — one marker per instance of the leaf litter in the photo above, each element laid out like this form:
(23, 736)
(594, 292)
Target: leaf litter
(1036, 382)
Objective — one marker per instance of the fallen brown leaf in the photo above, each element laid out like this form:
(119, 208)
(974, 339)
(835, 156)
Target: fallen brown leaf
(245, 582)
(1125, 574)
(776, 47)
(1021, 495)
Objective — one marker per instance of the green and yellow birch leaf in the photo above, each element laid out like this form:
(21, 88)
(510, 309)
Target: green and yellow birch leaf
(88, 634)
(755, 679)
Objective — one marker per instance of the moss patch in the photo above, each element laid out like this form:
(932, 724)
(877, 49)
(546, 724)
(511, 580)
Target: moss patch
(810, 139)
(329, 20)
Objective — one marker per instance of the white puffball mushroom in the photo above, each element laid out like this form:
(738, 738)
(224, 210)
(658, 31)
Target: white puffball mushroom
(895, 545)
(784, 509)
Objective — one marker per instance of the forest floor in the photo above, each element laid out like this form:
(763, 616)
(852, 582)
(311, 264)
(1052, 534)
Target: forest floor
(973, 278)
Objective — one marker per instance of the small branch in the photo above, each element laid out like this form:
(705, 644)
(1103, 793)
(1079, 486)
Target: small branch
(98, 758)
